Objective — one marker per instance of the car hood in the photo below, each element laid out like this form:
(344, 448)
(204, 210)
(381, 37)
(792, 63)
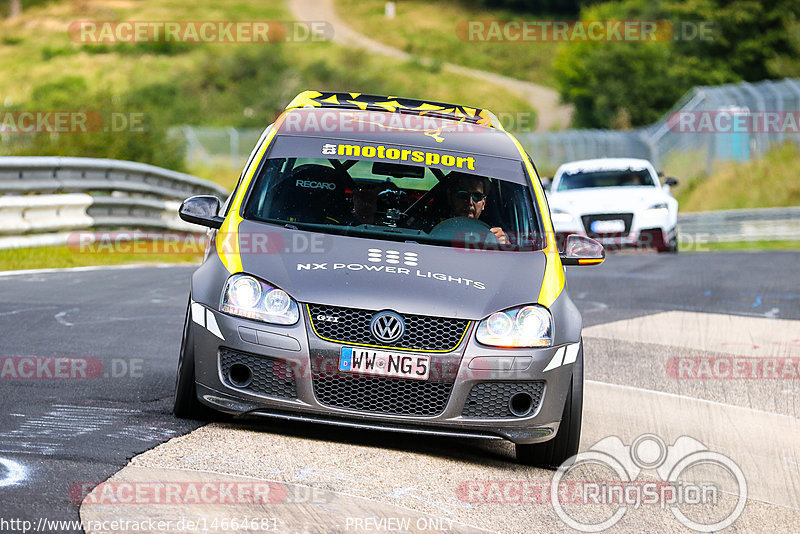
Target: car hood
(607, 199)
(374, 274)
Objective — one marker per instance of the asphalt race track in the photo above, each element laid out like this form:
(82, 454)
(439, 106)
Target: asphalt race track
(88, 367)
(65, 430)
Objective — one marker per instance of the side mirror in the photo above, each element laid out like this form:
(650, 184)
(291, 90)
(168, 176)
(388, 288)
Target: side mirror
(202, 210)
(670, 182)
(582, 250)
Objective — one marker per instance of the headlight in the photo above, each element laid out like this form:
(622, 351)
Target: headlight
(658, 209)
(527, 326)
(249, 297)
(560, 216)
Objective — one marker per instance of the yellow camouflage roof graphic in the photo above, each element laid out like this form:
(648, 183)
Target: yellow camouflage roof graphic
(395, 104)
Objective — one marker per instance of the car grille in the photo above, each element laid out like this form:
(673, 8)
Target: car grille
(391, 396)
(491, 399)
(422, 332)
(270, 376)
(589, 219)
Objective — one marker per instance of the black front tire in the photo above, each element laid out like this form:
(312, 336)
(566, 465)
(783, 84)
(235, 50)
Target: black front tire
(551, 454)
(185, 404)
(673, 245)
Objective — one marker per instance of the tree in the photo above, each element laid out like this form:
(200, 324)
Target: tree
(641, 80)
(564, 7)
(14, 8)
(788, 65)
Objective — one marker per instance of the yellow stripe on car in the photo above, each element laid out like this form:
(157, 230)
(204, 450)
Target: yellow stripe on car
(227, 241)
(554, 279)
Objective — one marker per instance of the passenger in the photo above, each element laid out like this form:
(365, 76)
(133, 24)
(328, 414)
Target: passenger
(631, 178)
(365, 204)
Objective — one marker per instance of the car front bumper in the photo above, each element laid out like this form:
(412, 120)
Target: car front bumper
(645, 232)
(284, 363)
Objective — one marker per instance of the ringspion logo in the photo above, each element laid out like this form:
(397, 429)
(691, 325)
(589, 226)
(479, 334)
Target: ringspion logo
(704, 490)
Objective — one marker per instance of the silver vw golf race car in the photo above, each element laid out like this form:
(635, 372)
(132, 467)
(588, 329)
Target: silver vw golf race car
(388, 263)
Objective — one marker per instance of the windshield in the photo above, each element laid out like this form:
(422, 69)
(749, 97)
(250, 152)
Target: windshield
(614, 178)
(395, 201)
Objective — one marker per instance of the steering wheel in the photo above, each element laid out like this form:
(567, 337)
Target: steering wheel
(388, 201)
(464, 228)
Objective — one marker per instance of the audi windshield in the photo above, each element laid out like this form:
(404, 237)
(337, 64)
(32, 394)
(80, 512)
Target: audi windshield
(612, 178)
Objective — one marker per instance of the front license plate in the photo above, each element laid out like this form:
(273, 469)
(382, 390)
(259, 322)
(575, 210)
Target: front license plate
(384, 363)
(608, 227)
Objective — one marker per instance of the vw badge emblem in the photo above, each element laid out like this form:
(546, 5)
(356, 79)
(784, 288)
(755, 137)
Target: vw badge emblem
(387, 326)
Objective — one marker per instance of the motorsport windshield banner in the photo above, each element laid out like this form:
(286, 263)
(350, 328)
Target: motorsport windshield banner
(315, 147)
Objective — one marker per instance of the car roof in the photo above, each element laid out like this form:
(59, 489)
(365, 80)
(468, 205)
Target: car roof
(604, 164)
(399, 129)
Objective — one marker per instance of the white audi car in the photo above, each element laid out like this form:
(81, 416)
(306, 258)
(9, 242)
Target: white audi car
(617, 201)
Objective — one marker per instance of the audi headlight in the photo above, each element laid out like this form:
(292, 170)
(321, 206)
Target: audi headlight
(658, 209)
(251, 298)
(526, 326)
(560, 216)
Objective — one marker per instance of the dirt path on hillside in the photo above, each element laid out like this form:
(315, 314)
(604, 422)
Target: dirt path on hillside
(551, 115)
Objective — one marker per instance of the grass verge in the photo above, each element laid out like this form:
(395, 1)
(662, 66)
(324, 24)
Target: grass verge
(206, 83)
(56, 257)
(163, 85)
(768, 182)
(722, 246)
(438, 30)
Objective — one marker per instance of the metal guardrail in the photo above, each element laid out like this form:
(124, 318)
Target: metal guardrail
(84, 193)
(767, 224)
(72, 175)
(45, 197)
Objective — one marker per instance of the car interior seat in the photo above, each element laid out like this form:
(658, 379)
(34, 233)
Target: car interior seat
(313, 194)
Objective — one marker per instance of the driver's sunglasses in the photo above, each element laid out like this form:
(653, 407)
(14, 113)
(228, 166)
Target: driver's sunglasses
(476, 196)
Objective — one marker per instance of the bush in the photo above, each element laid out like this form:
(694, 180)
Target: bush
(608, 81)
(566, 7)
(49, 52)
(127, 131)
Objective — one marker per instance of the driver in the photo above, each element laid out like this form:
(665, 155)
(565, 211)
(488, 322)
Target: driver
(466, 197)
